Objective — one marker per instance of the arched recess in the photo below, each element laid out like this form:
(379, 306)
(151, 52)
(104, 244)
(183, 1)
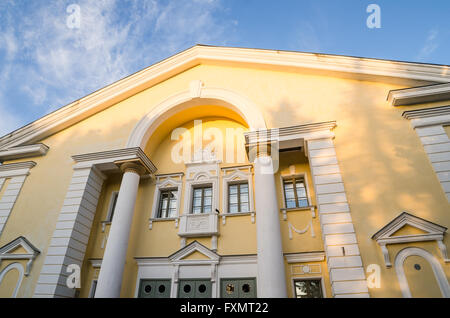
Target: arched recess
(437, 270)
(197, 95)
(21, 271)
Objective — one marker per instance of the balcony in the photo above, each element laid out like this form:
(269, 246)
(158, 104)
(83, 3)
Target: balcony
(199, 225)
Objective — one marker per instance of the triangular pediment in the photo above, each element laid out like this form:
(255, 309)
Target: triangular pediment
(408, 226)
(194, 252)
(19, 246)
(355, 67)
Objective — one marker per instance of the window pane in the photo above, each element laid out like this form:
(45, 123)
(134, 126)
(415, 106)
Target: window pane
(290, 204)
(244, 188)
(302, 203)
(197, 202)
(233, 189)
(207, 209)
(244, 207)
(244, 197)
(196, 210)
(197, 193)
(301, 191)
(233, 208)
(233, 198)
(207, 201)
(208, 192)
(308, 289)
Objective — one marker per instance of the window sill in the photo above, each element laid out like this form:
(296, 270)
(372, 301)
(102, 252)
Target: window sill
(225, 215)
(306, 208)
(151, 220)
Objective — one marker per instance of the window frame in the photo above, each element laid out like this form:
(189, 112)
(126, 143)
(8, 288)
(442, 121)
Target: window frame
(159, 209)
(294, 179)
(112, 205)
(238, 183)
(319, 278)
(202, 206)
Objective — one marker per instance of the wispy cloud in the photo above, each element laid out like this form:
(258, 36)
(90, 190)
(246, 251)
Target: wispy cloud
(47, 64)
(431, 44)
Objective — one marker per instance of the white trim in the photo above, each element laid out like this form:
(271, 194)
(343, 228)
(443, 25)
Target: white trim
(23, 152)
(419, 95)
(173, 180)
(183, 100)
(362, 68)
(305, 257)
(437, 270)
(19, 268)
(434, 231)
(6, 252)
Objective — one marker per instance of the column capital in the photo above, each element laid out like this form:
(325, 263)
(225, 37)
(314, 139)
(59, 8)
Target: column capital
(132, 166)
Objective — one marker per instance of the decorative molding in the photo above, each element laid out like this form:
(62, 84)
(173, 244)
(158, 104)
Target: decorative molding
(434, 231)
(286, 136)
(308, 227)
(178, 257)
(166, 181)
(419, 95)
(111, 159)
(23, 152)
(19, 268)
(304, 257)
(437, 270)
(16, 169)
(96, 262)
(6, 252)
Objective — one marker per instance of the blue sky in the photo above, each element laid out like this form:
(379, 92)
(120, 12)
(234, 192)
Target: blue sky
(44, 64)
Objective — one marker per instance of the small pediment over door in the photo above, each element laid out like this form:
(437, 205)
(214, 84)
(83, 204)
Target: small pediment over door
(194, 253)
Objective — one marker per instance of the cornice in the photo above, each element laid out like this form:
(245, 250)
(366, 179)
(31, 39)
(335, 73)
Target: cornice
(114, 156)
(419, 95)
(427, 112)
(304, 257)
(306, 131)
(23, 152)
(17, 166)
(362, 68)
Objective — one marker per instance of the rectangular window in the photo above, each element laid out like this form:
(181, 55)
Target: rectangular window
(238, 198)
(308, 288)
(202, 200)
(295, 193)
(112, 206)
(93, 288)
(168, 204)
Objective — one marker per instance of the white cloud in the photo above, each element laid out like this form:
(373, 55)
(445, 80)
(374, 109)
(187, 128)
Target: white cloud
(54, 64)
(430, 45)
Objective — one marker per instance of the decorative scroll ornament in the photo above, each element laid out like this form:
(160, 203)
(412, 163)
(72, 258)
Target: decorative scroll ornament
(292, 228)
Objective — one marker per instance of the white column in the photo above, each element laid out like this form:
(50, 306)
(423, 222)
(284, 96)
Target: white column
(111, 272)
(271, 273)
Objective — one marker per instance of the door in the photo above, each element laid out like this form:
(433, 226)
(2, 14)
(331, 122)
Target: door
(194, 288)
(152, 288)
(238, 288)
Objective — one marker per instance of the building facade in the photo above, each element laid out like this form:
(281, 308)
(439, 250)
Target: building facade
(229, 172)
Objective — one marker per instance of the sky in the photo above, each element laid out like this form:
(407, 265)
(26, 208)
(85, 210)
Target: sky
(53, 52)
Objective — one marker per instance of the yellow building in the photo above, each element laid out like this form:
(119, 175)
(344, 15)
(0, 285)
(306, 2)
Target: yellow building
(230, 172)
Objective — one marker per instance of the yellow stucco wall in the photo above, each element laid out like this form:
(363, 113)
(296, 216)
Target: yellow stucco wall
(383, 164)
